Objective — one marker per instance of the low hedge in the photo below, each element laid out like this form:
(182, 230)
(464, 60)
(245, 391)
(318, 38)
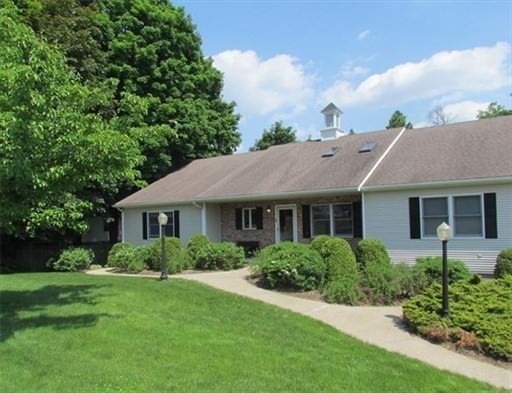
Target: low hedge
(432, 267)
(480, 315)
(220, 256)
(290, 265)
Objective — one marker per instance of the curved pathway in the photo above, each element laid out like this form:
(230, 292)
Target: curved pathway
(381, 326)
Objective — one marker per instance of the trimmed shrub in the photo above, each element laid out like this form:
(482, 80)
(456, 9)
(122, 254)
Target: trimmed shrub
(220, 256)
(73, 260)
(196, 244)
(432, 267)
(341, 269)
(290, 265)
(410, 281)
(177, 257)
(503, 263)
(371, 250)
(115, 259)
(377, 274)
(483, 311)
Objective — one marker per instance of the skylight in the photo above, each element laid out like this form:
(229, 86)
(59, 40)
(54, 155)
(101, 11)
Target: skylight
(331, 151)
(367, 147)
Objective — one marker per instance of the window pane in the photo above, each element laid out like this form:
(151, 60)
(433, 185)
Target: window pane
(247, 218)
(343, 227)
(320, 212)
(254, 219)
(321, 227)
(154, 226)
(342, 211)
(430, 225)
(435, 207)
(169, 228)
(467, 205)
(468, 226)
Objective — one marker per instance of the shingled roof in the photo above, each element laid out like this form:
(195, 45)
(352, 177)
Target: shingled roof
(461, 151)
(472, 150)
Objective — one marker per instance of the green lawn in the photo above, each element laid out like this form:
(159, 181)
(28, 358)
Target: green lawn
(65, 332)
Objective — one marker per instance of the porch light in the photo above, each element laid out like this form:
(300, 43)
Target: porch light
(162, 220)
(444, 233)
(269, 209)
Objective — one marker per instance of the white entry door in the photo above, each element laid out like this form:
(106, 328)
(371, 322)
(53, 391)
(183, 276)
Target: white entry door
(286, 223)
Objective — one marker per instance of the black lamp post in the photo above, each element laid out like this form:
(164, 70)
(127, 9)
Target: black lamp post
(444, 233)
(162, 220)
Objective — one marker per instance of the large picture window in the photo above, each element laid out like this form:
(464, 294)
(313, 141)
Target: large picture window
(332, 220)
(154, 225)
(463, 213)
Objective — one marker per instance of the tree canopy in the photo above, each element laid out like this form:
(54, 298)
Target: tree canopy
(54, 149)
(397, 120)
(494, 110)
(277, 135)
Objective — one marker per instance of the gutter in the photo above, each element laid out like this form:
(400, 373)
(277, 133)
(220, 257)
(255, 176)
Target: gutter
(203, 216)
(122, 223)
(380, 160)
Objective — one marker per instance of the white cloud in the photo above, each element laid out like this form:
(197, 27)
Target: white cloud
(465, 110)
(472, 70)
(262, 87)
(362, 35)
(349, 70)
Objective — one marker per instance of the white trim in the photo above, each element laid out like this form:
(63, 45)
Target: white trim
(380, 159)
(252, 225)
(160, 226)
(122, 226)
(277, 208)
(203, 219)
(441, 184)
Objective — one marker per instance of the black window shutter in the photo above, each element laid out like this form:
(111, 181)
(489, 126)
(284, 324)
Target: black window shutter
(414, 218)
(177, 223)
(306, 221)
(357, 219)
(491, 224)
(259, 218)
(145, 226)
(238, 218)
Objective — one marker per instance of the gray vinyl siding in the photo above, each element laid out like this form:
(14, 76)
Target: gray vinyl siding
(213, 222)
(387, 218)
(190, 222)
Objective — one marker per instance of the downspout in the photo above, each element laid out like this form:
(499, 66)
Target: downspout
(122, 223)
(360, 187)
(203, 216)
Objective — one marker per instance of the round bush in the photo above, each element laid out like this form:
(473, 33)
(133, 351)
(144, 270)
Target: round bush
(291, 265)
(225, 256)
(197, 244)
(371, 250)
(114, 258)
(503, 263)
(432, 267)
(73, 260)
(176, 253)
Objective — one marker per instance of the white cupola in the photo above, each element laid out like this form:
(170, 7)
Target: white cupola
(332, 123)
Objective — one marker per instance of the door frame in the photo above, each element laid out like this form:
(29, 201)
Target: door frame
(277, 209)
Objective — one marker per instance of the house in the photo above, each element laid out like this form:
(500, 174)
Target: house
(396, 185)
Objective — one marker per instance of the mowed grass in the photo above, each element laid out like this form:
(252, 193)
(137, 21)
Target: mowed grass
(65, 332)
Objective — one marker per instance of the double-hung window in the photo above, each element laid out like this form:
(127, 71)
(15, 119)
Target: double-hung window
(249, 218)
(463, 213)
(332, 220)
(154, 225)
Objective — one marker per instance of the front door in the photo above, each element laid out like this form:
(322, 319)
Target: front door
(286, 223)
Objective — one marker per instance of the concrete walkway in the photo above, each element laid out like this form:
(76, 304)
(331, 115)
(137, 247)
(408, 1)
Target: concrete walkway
(380, 326)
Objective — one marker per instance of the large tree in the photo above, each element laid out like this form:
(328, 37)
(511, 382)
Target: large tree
(277, 135)
(494, 110)
(397, 120)
(54, 150)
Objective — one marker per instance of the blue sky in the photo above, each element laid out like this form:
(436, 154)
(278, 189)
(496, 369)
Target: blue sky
(286, 60)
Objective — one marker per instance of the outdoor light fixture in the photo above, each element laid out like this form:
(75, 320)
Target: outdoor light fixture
(444, 233)
(269, 209)
(162, 220)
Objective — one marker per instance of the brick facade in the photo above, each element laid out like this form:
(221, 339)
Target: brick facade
(267, 235)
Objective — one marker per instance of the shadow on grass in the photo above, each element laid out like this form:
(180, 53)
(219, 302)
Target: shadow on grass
(14, 306)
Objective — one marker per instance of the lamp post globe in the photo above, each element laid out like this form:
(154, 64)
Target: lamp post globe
(444, 233)
(162, 220)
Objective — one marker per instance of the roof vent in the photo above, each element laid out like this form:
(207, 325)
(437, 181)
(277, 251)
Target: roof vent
(367, 147)
(331, 151)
